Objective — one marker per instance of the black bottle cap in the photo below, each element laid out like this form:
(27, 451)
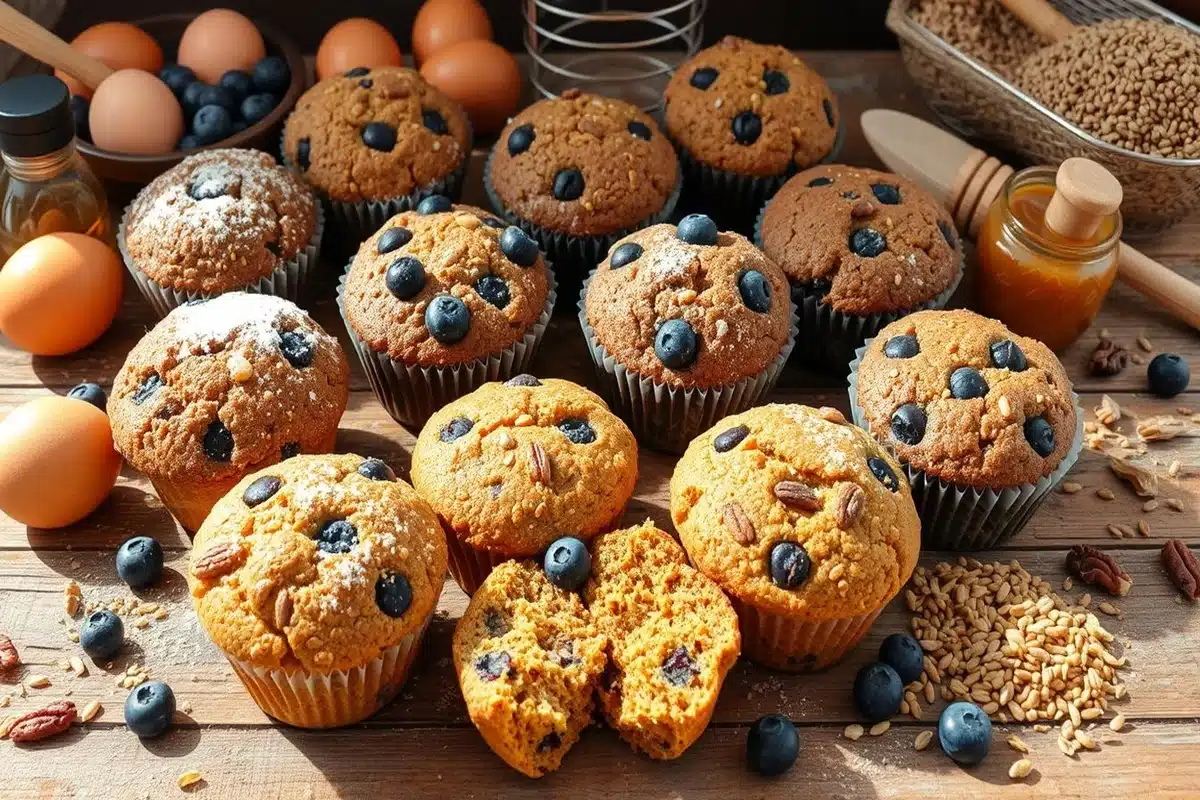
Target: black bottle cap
(35, 116)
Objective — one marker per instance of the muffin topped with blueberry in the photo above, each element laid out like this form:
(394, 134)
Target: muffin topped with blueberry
(220, 388)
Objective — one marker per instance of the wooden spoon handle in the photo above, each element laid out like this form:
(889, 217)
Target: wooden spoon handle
(34, 40)
(1169, 289)
(1045, 20)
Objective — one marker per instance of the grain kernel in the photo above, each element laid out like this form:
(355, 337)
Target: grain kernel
(880, 728)
(853, 732)
(922, 741)
(1020, 769)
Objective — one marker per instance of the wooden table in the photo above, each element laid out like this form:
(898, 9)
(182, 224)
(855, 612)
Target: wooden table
(423, 745)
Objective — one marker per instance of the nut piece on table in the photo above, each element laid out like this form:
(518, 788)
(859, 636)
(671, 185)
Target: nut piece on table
(1094, 566)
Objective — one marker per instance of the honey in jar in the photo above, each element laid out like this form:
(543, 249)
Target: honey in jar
(1048, 250)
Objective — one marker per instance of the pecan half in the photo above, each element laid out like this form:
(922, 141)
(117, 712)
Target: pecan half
(43, 723)
(9, 657)
(221, 558)
(798, 495)
(1094, 566)
(848, 504)
(1109, 358)
(542, 470)
(283, 608)
(738, 524)
(1182, 568)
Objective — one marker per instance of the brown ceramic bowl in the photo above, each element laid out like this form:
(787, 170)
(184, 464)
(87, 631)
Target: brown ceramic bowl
(167, 30)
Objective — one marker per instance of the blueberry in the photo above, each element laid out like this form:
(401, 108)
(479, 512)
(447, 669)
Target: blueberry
(366, 83)
(568, 184)
(772, 745)
(819, 181)
(828, 108)
(218, 442)
(177, 78)
(493, 289)
(491, 666)
(393, 594)
(867, 242)
(878, 691)
(304, 153)
(625, 255)
(298, 348)
(149, 709)
(90, 393)
(578, 431)
(551, 741)
(1040, 436)
(903, 653)
(188, 142)
(448, 319)
(697, 229)
(886, 193)
(257, 107)
(405, 277)
(215, 96)
(1007, 355)
(140, 561)
(519, 247)
(379, 136)
(80, 108)
(239, 125)
(1168, 374)
(967, 383)
(393, 239)
(522, 380)
(883, 473)
(908, 423)
(190, 99)
(675, 344)
(640, 130)
(150, 384)
(102, 634)
(357, 72)
(947, 232)
(521, 139)
(746, 127)
(965, 733)
(212, 124)
(789, 564)
(456, 429)
(376, 470)
(208, 184)
(272, 74)
(238, 84)
(434, 121)
(678, 668)
(262, 490)
(704, 77)
(337, 536)
(903, 346)
(776, 81)
(727, 440)
(567, 563)
(756, 292)
(434, 204)
(289, 450)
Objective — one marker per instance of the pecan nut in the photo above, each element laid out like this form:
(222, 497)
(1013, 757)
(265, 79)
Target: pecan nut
(283, 608)
(43, 723)
(1182, 568)
(543, 472)
(848, 505)
(738, 524)
(1109, 358)
(221, 558)
(9, 657)
(798, 495)
(1094, 566)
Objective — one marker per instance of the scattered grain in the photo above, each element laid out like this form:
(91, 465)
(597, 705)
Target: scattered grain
(1020, 769)
(853, 732)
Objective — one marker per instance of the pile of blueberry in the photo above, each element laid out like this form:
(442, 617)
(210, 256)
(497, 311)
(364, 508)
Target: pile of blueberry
(239, 100)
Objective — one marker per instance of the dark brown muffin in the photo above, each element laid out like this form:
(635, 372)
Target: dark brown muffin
(870, 241)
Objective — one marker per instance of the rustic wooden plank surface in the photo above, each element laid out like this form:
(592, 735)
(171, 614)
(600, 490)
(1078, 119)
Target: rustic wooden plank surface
(423, 745)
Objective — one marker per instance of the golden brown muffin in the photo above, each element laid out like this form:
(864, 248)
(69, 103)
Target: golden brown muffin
(317, 577)
(867, 241)
(528, 659)
(805, 522)
(674, 637)
(378, 134)
(966, 400)
(221, 388)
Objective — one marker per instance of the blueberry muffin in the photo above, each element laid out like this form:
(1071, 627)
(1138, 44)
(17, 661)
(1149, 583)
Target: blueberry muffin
(221, 388)
(807, 524)
(528, 659)
(221, 221)
(673, 634)
(377, 141)
(860, 249)
(968, 406)
(440, 300)
(745, 116)
(686, 324)
(316, 578)
(513, 466)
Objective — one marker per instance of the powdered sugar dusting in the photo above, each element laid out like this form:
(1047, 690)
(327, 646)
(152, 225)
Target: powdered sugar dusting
(669, 257)
(253, 318)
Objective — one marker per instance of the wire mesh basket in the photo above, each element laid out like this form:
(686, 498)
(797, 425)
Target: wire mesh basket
(974, 100)
(627, 52)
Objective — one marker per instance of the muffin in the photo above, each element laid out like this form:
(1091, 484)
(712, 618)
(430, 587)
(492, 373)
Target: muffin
(374, 142)
(528, 660)
(221, 221)
(984, 421)
(745, 117)
(685, 325)
(441, 300)
(805, 522)
(513, 466)
(221, 388)
(316, 578)
(579, 172)
(861, 248)
(673, 638)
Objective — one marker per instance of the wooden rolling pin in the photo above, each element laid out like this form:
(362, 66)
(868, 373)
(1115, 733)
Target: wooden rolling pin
(35, 41)
(966, 180)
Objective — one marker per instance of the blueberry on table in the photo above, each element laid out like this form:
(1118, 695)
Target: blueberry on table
(965, 733)
(149, 709)
(772, 745)
(90, 393)
(1168, 374)
(238, 84)
(101, 635)
(567, 563)
(272, 74)
(903, 653)
(140, 561)
(257, 107)
(697, 229)
(211, 124)
(878, 691)
(177, 78)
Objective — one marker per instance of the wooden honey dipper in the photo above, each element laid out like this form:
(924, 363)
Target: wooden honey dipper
(966, 180)
(32, 39)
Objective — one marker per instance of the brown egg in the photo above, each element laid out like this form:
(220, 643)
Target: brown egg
(482, 76)
(356, 42)
(57, 461)
(134, 112)
(120, 46)
(58, 293)
(218, 41)
(442, 23)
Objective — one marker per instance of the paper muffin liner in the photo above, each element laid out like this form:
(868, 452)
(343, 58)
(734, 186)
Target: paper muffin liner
(794, 645)
(966, 518)
(411, 393)
(665, 417)
(469, 566)
(290, 280)
(331, 699)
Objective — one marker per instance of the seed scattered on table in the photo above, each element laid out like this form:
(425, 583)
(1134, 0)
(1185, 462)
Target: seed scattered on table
(1020, 769)
(1104, 493)
(1070, 487)
(190, 778)
(880, 728)
(1018, 744)
(853, 732)
(922, 741)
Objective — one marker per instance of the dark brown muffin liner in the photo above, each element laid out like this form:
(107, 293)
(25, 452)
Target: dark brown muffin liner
(470, 566)
(411, 393)
(966, 518)
(785, 643)
(290, 281)
(665, 417)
